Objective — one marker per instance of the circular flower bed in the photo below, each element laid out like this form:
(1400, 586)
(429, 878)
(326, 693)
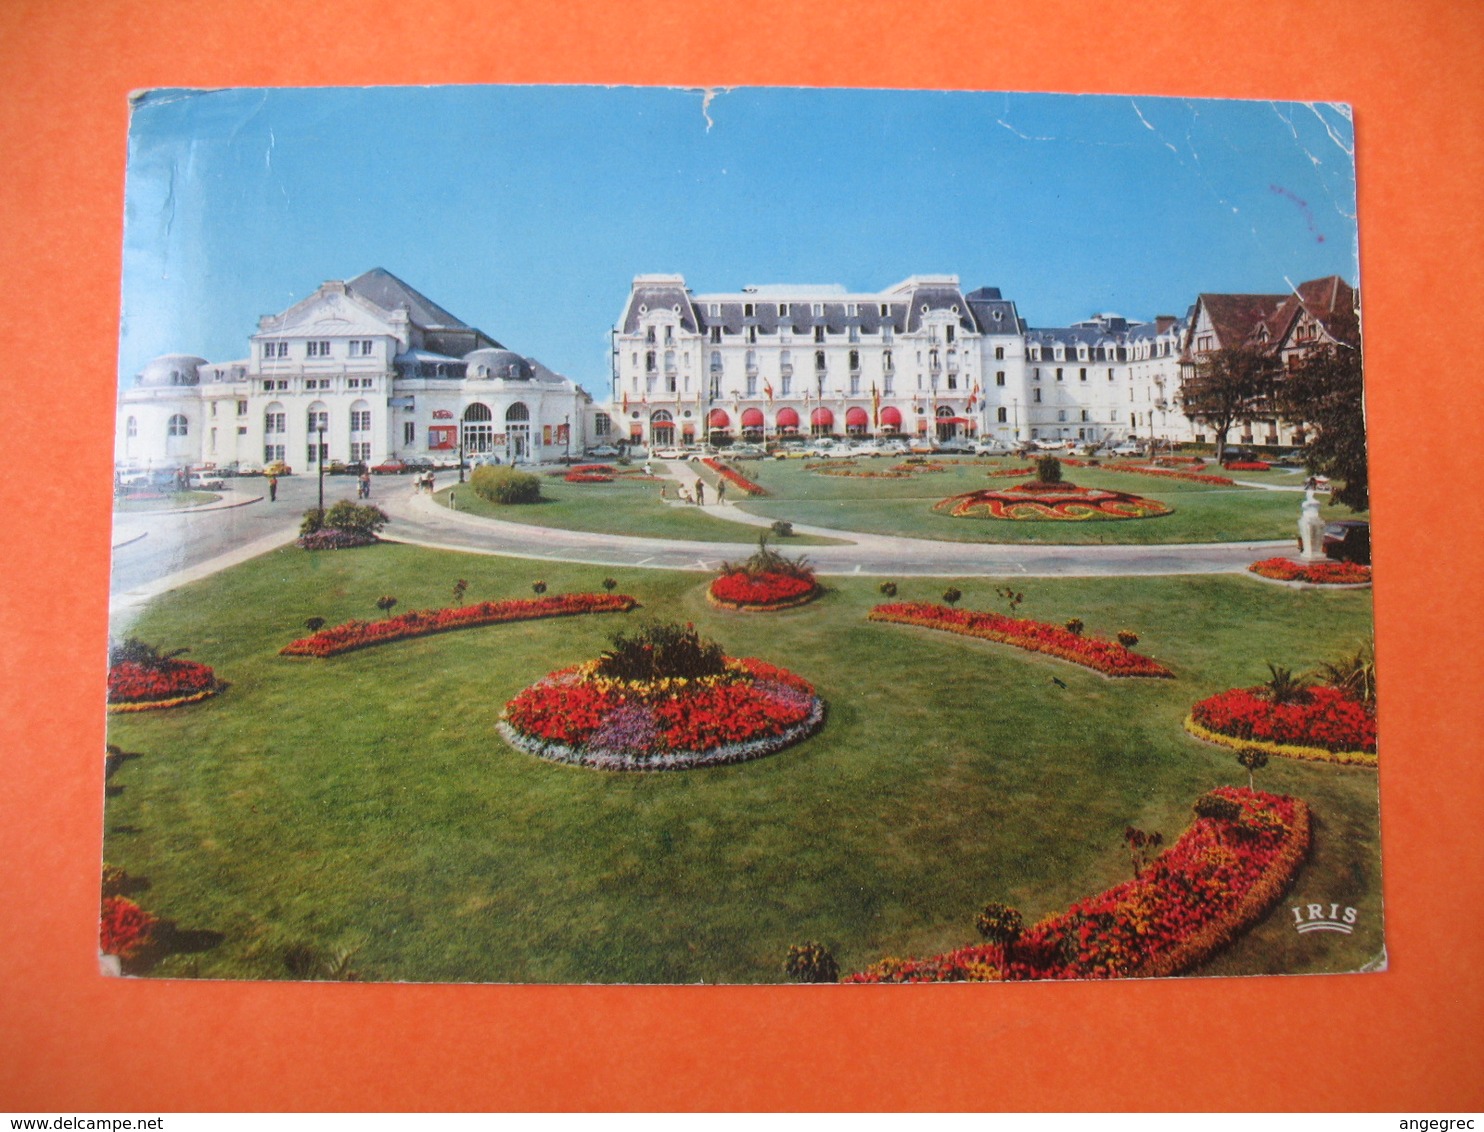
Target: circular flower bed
(143, 686)
(1312, 573)
(747, 710)
(577, 475)
(1326, 725)
(769, 590)
(1062, 501)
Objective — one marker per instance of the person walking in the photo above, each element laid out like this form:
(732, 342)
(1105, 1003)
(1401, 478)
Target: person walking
(272, 489)
(721, 492)
(365, 484)
(700, 494)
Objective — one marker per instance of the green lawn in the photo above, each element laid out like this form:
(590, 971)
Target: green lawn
(367, 802)
(630, 505)
(126, 504)
(1202, 512)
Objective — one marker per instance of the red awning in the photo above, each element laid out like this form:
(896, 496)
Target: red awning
(856, 416)
(787, 418)
(719, 419)
(821, 416)
(752, 418)
(954, 420)
(891, 417)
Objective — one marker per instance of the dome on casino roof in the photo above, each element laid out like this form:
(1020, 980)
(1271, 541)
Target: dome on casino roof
(493, 363)
(171, 369)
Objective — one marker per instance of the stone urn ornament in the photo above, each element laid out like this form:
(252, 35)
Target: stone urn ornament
(1311, 525)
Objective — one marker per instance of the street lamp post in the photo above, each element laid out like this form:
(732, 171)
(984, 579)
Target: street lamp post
(567, 433)
(461, 453)
(320, 457)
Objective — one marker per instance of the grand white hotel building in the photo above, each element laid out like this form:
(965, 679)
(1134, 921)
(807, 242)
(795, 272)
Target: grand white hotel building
(921, 358)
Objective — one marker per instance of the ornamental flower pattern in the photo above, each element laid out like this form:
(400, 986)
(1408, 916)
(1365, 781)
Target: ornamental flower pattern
(577, 716)
(1312, 573)
(133, 686)
(420, 623)
(1060, 502)
(733, 477)
(1329, 720)
(1108, 657)
(1222, 876)
(769, 590)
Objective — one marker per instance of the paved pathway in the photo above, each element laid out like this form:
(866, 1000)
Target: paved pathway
(158, 552)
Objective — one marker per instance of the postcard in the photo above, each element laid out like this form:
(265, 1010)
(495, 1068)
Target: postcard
(593, 535)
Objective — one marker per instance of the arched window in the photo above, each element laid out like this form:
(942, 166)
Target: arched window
(478, 412)
(518, 412)
(275, 419)
(177, 426)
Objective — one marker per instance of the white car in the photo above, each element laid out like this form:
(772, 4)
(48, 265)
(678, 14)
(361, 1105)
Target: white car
(894, 448)
(604, 452)
(865, 448)
(953, 444)
(992, 448)
(1126, 449)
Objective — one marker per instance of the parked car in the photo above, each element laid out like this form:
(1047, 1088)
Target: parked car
(894, 447)
(342, 468)
(922, 446)
(670, 453)
(277, 468)
(955, 444)
(865, 448)
(393, 466)
(604, 452)
(1127, 448)
(419, 464)
(992, 448)
(483, 460)
(1348, 540)
(746, 452)
(205, 481)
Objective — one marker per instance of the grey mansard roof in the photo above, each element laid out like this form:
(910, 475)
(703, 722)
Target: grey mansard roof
(388, 292)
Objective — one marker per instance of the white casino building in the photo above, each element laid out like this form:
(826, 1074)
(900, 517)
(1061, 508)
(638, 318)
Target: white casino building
(382, 369)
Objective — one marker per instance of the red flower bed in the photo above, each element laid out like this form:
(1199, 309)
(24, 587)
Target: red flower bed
(594, 469)
(421, 623)
(168, 683)
(1248, 466)
(1193, 477)
(1016, 471)
(578, 476)
(750, 710)
(1050, 501)
(769, 590)
(745, 485)
(1221, 877)
(1107, 657)
(1329, 720)
(124, 928)
(1314, 573)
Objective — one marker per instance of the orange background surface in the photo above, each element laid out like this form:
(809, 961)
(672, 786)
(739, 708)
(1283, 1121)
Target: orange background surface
(1405, 1039)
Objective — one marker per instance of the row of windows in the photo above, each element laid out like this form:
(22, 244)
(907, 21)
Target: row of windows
(320, 348)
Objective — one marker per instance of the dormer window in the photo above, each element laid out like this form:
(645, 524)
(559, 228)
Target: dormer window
(649, 334)
(818, 309)
(782, 310)
(748, 310)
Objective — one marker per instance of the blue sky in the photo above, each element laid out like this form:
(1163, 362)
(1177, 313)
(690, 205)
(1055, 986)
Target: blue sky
(527, 211)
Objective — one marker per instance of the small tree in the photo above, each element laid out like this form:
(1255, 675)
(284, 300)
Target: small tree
(610, 584)
(1141, 847)
(386, 603)
(1324, 392)
(999, 923)
(1075, 626)
(1253, 759)
(460, 588)
(888, 589)
(1048, 469)
(538, 587)
(1231, 384)
(952, 595)
(811, 963)
(314, 624)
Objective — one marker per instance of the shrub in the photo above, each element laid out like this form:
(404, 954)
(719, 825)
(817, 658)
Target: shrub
(538, 587)
(355, 518)
(660, 651)
(385, 603)
(610, 584)
(888, 588)
(1253, 759)
(782, 528)
(131, 650)
(766, 561)
(1354, 675)
(314, 624)
(460, 588)
(1217, 806)
(811, 963)
(1048, 470)
(1283, 687)
(999, 923)
(505, 485)
(1012, 598)
(1142, 846)
(951, 595)
(1128, 638)
(313, 521)
(1074, 626)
